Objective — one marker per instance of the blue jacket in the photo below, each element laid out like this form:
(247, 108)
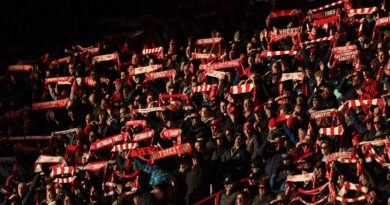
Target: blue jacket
(157, 175)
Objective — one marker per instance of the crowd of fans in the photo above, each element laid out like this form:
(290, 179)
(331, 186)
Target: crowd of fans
(296, 112)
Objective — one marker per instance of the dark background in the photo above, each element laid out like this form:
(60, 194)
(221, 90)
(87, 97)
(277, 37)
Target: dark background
(31, 28)
(35, 26)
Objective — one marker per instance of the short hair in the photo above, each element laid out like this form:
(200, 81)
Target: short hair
(319, 74)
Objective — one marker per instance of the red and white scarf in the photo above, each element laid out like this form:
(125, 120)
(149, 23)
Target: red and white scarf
(333, 194)
(216, 74)
(323, 114)
(64, 180)
(328, 6)
(332, 130)
(133, 123)
(91, 50)
(24, 138)
(276, 53)
(149, 110)
(327, 20)
(360, 11)
(170, 133)
(332, 157)
(357, 103)
(382, 21)
(59, 61)
(314, 191)
(46, 159)
(323, 14)
(278, 37)
(123, 147)
(175, 150)
(158, 51)
(94, 166)
(143, 136)
(344, 53)
(350, 55)
(282, 13)
(292, 76)
(221, 65)
(67, 80)
(290, 30)
(59, 170)
(375, 142)
(201, 55)
(159, 75)
(385, 21)
(244, 88)
(20, 68)
(92, 83)
(141, 151)
(145, 69)
(352, 200)
(377, 158)
(206, 41)
(64, 132)
(347, 186)
(106, 57)
(50, 104)
(127, 176)
(341, 49)
(300, 177)
(330, 38)
(109, 141)
(173, 96)
(203, 88)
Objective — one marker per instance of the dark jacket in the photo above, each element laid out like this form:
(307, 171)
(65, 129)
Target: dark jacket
(262, 200)
(228, 199)
(274, 159)
(236, 161)
(197, 186)
(348, 90)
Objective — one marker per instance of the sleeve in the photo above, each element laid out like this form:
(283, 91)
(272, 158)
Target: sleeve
(52, 92)
(263, 152)
(305, 57)
(288, 128)
(359, 125)
(73, 91)
(30, 192)
(375, 89)
(373, 92)
(145, 168)
(343, 86)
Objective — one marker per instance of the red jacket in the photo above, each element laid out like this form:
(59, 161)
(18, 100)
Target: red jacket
(371, 89)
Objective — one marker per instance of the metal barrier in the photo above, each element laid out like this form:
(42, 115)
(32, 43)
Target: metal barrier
(216, 196)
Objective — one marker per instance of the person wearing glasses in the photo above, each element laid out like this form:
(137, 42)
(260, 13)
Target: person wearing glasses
(264, 196)
(325, 151)
(380, 128)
